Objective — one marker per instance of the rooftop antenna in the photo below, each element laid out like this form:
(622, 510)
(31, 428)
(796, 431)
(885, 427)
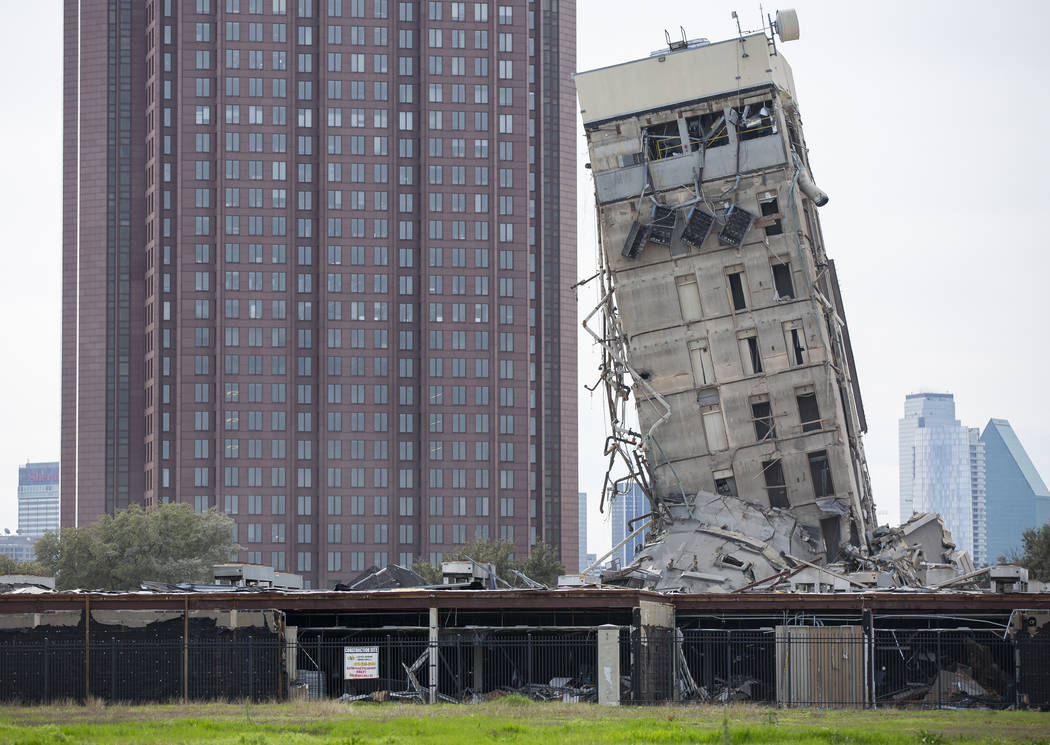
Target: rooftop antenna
(739, 32)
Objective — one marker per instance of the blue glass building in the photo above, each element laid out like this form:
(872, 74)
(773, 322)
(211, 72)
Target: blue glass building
(1017, 497)
(626, 506)
(940, 469)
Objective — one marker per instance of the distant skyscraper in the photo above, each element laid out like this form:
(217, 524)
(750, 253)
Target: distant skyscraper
(1017, 497)
(583, 531)
(20, 548)
(626, 507)
(936, 468)
(317, 273)
(38, 497)
(978, 497)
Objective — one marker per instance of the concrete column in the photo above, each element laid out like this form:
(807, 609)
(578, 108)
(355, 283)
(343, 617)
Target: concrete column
(609, 665)
(291, 654)
(432, 676)
(479, 667)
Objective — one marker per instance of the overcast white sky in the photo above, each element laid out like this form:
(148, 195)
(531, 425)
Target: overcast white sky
(925, 125)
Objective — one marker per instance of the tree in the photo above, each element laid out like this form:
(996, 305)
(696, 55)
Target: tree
(427, 571)
(166, 543)
(543, 565)
(10, 566)
(1036, 553)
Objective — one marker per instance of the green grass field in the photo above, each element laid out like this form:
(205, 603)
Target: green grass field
(510, 720)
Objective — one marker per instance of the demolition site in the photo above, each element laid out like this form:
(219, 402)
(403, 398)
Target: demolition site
(734, 401)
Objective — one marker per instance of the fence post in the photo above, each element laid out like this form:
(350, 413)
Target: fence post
(528, 659)
(869, 625)
(87, 648)
(47, 673)
(186, 649)
(113, 694)
(609, 665)
(729, 664)
(672, 660)
(937, 678)
(432, 655)
(251, 670)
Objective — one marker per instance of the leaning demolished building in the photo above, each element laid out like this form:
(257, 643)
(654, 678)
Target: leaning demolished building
(720, 315)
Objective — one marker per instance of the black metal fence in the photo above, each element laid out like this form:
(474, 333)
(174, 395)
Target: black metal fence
(841, 666)
(471, 665)
(140, 671)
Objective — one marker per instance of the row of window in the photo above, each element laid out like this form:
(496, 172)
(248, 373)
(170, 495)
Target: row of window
(355, 478)
(436, 9)
(376, 534)
(357, 449)
(439, 506)
(355, 35)
(406, 367)
(351, 393)
(355, 256)
(776, 483)
(738, 293)
(457, 477)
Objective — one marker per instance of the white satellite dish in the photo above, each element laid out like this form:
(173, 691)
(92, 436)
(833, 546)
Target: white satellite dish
(786, 24)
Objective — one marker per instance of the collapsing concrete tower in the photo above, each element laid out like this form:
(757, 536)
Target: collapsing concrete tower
(721, 314)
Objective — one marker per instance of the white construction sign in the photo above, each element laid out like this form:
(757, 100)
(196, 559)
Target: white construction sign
(360, 662)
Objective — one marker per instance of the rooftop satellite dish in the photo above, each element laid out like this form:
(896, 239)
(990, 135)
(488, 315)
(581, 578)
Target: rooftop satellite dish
(786, 24)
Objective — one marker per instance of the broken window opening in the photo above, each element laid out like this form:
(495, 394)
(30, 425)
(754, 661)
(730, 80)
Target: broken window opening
(662, 224)
(831, 531)
(698, 225)
(756, 120)
(762, 416)
(727, 560)
(689, 297)
(737, 290)
(700, 361)
(793, 337)
(725, 485)
(711, 416)
(708, 130)
(663, 140)
(808, 412)
(776, 485)
(750, 355)
(782, 283)
(820, 472)
(769, 207)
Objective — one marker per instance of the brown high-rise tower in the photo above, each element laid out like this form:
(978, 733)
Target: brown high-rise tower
(317, 269)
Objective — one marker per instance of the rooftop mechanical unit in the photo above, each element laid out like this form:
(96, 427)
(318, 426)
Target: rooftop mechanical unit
(697, 226)
(738, 222)
(632, 247)
(662, 226)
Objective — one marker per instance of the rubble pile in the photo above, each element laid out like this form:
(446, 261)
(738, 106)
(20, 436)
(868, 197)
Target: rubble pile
(723, 544)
